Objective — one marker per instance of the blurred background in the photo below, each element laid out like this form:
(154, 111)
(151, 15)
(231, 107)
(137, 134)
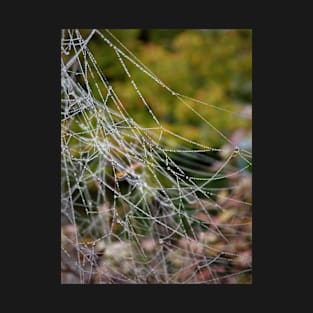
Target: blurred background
(213, 66)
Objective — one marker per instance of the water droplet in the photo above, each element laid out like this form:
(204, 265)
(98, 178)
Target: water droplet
(168, 168)
(161, 241)
(187, 177)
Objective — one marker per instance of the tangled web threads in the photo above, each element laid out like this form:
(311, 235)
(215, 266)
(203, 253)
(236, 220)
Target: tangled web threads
(144, 204)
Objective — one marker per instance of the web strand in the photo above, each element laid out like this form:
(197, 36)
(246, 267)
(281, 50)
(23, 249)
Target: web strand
(144, 203)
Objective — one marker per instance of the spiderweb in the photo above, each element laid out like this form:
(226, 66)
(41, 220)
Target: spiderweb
(144, 204)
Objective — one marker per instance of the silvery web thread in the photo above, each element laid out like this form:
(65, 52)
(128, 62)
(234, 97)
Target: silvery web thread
(120, 164)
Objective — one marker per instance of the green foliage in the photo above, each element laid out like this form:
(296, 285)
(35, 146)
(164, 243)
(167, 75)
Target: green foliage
(147, 210)
(213, 66)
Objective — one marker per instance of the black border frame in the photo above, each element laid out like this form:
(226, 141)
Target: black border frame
(37, 150)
